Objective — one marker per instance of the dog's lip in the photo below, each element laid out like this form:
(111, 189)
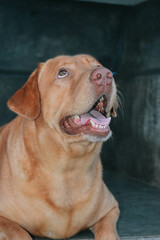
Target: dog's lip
(71, 127)
(96, 121)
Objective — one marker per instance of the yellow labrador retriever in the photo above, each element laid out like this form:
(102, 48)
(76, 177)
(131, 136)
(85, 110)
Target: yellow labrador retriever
(50, 169)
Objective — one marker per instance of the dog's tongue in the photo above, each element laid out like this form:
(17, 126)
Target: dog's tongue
(96, 117)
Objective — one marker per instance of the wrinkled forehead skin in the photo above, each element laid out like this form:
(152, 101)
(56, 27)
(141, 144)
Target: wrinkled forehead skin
(66, 96)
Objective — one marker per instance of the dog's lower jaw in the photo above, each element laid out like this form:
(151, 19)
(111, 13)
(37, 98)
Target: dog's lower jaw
(92, 138)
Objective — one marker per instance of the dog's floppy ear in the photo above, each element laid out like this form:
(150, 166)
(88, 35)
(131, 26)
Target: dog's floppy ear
(114, 109)
(26, 101)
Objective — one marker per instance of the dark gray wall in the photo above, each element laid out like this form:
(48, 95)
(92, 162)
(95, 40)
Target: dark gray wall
(137, 137)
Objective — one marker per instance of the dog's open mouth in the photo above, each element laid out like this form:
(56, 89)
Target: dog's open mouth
(95, 122)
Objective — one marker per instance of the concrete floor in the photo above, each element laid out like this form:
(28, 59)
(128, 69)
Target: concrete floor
(139, 205)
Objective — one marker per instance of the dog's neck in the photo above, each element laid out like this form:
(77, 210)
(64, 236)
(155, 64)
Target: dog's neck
(77, 144)
(51, 148)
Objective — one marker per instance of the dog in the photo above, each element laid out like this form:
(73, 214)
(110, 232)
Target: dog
(50, 170)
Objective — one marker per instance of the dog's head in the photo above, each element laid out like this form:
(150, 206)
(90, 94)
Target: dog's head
(74, 95)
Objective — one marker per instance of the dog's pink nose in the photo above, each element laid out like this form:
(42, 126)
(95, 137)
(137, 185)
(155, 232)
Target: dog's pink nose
(101, 76)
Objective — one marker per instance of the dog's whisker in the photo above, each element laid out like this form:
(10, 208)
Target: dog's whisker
(121, 108)
(120, 94)
(121, 105)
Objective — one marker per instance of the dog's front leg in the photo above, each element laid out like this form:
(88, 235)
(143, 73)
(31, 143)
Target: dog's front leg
(11, 231)
(105, 229)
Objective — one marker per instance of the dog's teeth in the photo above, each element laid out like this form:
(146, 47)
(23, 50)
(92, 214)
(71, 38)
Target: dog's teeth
(92, 123)
(76, 117)
(97, 125)
(102, 98)
(108, 114)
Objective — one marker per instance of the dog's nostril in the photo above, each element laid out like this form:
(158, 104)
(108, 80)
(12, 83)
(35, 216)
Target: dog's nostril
(109, 75)
(99, 76)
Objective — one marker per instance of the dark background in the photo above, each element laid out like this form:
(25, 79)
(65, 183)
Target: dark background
(125, 39)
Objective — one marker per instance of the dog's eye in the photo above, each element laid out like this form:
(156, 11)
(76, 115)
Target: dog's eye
(62, 73)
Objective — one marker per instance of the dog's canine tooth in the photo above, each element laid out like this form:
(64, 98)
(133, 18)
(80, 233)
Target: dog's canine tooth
(76, 117)
(92, 123)
(108, 114)
(102, 98)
